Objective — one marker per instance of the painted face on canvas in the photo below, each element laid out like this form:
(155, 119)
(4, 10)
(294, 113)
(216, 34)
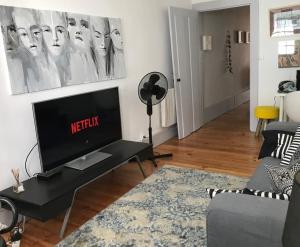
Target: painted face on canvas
(11, 37)
(100, 34)
(116, 37)
(8, 29)
(53, 26)
(29, 32)
(79, 31)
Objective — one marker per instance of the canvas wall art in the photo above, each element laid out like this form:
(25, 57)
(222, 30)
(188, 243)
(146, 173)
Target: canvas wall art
(289, 53)
(285, 21)
(50, 49)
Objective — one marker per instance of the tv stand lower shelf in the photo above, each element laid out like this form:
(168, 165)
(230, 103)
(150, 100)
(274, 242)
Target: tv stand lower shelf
(45, 199)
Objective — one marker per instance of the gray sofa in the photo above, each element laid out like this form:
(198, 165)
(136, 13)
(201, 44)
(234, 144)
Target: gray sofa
(239, 220)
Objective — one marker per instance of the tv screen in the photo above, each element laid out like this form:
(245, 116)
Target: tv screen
(68, 128)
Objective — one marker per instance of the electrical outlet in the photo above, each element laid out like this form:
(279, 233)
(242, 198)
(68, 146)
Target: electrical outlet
(145, 139)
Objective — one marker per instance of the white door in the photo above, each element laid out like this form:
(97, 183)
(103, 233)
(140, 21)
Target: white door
(186, 55)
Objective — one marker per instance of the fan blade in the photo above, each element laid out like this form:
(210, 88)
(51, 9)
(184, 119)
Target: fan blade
(154, 78)
(155, 89)
(158, 91)
(161, 93)
(146, 85)
(145, 94)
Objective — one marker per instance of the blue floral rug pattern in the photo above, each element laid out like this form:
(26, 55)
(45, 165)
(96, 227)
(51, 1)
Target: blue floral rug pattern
(166, 209)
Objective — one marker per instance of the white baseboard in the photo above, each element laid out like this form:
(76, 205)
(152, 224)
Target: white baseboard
(242, 98)
(214, 111)
(163, 136)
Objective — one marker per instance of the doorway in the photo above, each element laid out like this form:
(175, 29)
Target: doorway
(225, 60)
(254, 43)
(188, 19)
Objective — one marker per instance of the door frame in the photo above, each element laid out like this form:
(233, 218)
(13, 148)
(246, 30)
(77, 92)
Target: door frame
(254, 44)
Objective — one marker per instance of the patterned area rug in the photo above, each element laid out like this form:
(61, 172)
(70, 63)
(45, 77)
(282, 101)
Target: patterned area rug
(167, 209)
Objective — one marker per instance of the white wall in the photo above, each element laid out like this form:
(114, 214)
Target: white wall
(269, 73)
(147, 48)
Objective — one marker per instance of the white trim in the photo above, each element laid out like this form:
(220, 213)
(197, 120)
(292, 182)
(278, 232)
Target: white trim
(241, 98)
(220, 4)
(216, 110)
(162, 136)
(254, 44)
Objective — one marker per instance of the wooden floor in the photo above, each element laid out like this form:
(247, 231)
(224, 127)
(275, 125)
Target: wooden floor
(224, 145)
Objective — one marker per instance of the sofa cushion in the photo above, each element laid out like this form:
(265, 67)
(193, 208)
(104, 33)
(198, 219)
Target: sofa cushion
(286, 126)
(260, 179)
(239, 220)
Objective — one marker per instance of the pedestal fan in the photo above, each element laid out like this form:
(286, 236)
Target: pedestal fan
(152, 90)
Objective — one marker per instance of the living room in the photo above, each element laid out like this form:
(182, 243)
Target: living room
(224, 152)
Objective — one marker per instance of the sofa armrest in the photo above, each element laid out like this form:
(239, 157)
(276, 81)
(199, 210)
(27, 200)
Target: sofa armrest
(245, 220)
(285, 126)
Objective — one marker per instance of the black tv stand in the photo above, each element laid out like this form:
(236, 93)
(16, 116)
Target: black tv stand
(49, 174)
(43, 200)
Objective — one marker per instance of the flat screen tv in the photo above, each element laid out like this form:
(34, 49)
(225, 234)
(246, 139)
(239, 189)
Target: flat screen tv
(71, 127)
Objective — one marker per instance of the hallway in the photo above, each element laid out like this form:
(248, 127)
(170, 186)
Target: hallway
(222, 145)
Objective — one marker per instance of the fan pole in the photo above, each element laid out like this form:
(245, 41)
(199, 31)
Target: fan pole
(149, 113)
(150, 130)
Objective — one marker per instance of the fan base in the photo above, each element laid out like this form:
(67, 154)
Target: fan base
(161, 156)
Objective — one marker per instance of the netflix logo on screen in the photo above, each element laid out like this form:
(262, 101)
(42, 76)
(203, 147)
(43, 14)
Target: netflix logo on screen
(83, 124)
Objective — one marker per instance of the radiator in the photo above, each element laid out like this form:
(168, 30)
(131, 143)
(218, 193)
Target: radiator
(168, 109)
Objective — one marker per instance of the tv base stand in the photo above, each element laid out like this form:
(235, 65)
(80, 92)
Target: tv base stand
(88, 160)
(45, 199)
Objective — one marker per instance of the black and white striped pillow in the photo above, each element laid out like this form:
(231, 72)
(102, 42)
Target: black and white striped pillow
(286, 159)
(284, 142)
(213, 192)
(273, 195)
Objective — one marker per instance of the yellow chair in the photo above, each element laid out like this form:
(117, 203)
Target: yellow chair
(264, 115)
